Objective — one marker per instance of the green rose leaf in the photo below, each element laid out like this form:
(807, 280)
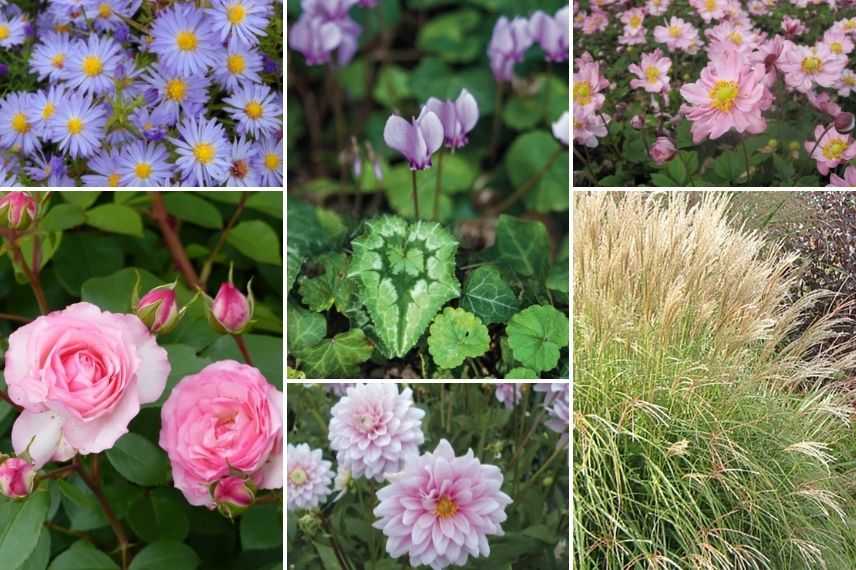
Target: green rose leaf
(522, 245)
(406, 273)
(81, 198)
(256, 240)
(455, 335)
(116, 218)
(20, 527)
(83, 556)
(160, 515)
(41, 555)
(265, 351)
(193, 209)
(268, 202)
(113, 292)
(331, 286)
(62, 217)
(139, 460)
(261, 528)
(305, 328)
(488, 296)
(166, 554)
(84, 255)
(538, 155)
(337, 357)
(536, 335)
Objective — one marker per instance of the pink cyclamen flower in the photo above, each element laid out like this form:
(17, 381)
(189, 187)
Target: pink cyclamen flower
(17, 476)
(508, 43)
(662, 150)
(678, 35)
(803, 67)
(308, 476)
(222, 421)
(848, 181)
(830, 148)
(325, 27)
(373, 428)
(17, 209)
(509, 393)
(416, 140)
(562, 129)
(81, 375)
(233, 495)
(457, 117)
(552, 33)
(730, 94)
(652, 73)
(232, 311)
(158, 309)
(441, 508)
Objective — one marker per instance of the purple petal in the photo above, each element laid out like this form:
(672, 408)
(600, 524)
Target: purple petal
(397, 134)
(467, 110)
(432, 130)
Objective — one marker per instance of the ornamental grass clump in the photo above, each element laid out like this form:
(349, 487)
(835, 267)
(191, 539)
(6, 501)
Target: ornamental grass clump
(708, 433)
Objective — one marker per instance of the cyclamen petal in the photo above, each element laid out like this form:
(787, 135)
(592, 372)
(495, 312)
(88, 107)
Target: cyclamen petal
(417, 140)
(457, 117)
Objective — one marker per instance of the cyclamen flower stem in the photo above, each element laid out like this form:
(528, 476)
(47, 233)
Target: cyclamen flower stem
(242, 346)
(439, 184)
(179, 256)
(497, 117)
(556, 453)
(415, 196)
(209, 263)
(523, 190)
(119, 530)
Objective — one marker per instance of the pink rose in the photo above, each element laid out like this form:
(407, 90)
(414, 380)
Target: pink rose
(223, 420)
(81, 375)
(662, 150)
(158, 309)
(17, 209)
(16, 477)
(234, 495)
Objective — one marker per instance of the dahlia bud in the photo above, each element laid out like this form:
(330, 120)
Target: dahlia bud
(637, 122)
(844, 122)
(231, 311)
(17, 477)
(158, 308)
(233, 495)
(16, 210)
(310, 523)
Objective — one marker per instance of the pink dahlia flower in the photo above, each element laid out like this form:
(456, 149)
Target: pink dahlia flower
(652, 72)
(373, 429)
(309, 477)
(678, 35)
(729, 95)
(803, 66)
(441, 508)
(849, 180)
(509, 393)
(830, 148)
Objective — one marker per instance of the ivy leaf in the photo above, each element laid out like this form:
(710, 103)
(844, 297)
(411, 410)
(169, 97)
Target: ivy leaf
(406, 273)
(456, 334)
(536, 334)
(310, 231)
(338, 357)
(305, 328)
(523, 245)
(488, 296)
(557, 281)
(332, 286)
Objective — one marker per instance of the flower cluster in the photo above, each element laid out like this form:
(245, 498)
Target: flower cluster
(121, 104)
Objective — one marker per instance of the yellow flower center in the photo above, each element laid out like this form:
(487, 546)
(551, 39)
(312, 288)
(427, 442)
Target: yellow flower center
(735, 38)
(204, 152)
(675, 31)
(236, 14)
(652, 73)
(75, 125)
(143, 170)
(271, 161)
(235, 63)
(20, 124)
(58, 60)
(723, 94)
(710, 5)
(48, 110)
(635, 21)
(4, 31)
(849, 79)
(446, 508)
(186, 40)
(176, 89)
(834, 149)
(62, 28)
(297, 476)
(104, 10)
(254, 110)
(811, 64)
(850, 24)
(113, 180)
(92, 65)
(836, 47)
(582, 92)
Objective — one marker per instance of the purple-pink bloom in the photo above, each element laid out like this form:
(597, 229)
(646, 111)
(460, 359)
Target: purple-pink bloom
(17, 209)
(509, 393)
(325, 27)
(509, 42)
(158, 309)
(231, 310)
(416, 140)
(441, 508)
(233, 495)
(373, 429)
(552, 33)
(458, 117)
(309, 477)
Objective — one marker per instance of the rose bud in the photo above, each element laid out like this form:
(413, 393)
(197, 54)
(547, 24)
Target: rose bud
(662, 150)
(844, 122)
(158, 309)
(233, 495)
(17, 477)
(16, 210)
(231, 311)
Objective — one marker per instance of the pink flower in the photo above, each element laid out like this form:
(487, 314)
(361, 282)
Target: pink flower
(847, 83)
(662, 150)
(589, 127)
(634, 29)
(508, 44)
(16, 477)
(552, 33)
(823, 103)
(792, 27)
(830, 148)
(732, 36)
(839, 43)
(729, 95)
(81, 375)
(17, 209)
(441, 508)
(158, 309)
(374, 428)
(595, 22)
(417, 140)
(803, 67)
(457, 117)
(849, 180)
(588, 84)
(221, 421)
(657, 7)
(653, 73)
(231, 311)
(309, 477)
(708, 9)
(509, 393)
(678, 35)
(233, 495)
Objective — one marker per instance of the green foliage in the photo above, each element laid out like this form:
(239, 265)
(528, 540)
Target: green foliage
(522, 245)
(455, 335)
(139, 460)
(488, 296)
(83, 556)
(538, 156)
(336, 357)
(20, 525)
(536, 336)
(165, 554)
(331, 286)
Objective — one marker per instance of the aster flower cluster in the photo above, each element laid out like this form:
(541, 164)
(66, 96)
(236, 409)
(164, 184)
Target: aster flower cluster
(183, 99)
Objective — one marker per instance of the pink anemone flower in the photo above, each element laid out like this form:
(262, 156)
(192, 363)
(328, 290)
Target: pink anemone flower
(652, 73)
(804, 66)
(678, 35)
(830, 148)
(849, 180)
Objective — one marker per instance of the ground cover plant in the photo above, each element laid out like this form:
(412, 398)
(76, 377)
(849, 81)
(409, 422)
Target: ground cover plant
(386, 477)
(428, 189)
(714, 93)
(708, 431)
(134, 93)
(140, 387)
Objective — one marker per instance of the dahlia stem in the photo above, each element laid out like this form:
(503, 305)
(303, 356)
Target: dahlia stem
(119, 530)
(340, 556)
(242, 346)
(439, 185)
(209, 263)
(415, 195)
(543, 467)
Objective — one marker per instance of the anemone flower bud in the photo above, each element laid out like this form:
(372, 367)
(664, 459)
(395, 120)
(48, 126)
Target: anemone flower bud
(231, 311)
(844, 122)
(416, 140)
(637, 122)
(458, 117)
(662, 150)
(233, 495)
(17, 209)
(158, 309)
(562, 128)
(17, 477)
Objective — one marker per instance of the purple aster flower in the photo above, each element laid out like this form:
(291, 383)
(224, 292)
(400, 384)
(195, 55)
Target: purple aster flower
(203, 151)
(244, 169)
(145, 164)
(269, 65)
(441, 508)
(244, 20)
(50, 55)
(309, 477)
(269, 157)
(256, 109)
(78, 126)
(178, 92)
(562, 128)
(374, 428)
(552, 33)
(109, 13)
(105, 165)
(16, 130)
(51, 169)
(325, 27)
(4, 70)
(509, 42)
(237, 65)
(152, 124)
(91, 66)
(42, 107)
(184, 41)
(7, 178)
(12, 32)
(509, 393)
(458, 117)
(416, 140)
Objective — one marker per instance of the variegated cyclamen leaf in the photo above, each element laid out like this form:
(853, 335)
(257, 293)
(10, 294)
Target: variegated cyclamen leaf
(406, 273)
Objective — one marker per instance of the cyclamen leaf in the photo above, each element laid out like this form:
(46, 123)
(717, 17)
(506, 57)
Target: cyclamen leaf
(455, 335)
(338, 357)
(488, 296)
(406, 273)
(536, 335)
(332, 286)
(305, 328)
